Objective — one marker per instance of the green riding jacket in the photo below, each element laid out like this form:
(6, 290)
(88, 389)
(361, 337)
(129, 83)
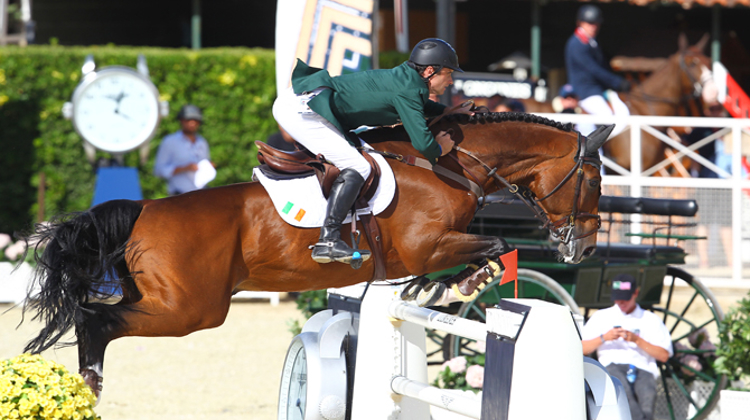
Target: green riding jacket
(373, 98)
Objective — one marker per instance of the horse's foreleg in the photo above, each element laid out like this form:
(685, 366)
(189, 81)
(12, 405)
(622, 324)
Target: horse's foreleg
(456, 248)
(480, 253)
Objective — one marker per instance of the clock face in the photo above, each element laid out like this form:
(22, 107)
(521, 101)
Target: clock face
(298, 387)
(293, 395)
(116, 109)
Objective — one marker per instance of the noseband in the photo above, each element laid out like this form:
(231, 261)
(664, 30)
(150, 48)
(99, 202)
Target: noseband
(563, 228)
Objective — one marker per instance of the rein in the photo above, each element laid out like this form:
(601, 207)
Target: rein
(562, 229)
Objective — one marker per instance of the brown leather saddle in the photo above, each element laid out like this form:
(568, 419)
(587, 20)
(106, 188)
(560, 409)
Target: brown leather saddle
(280, 164)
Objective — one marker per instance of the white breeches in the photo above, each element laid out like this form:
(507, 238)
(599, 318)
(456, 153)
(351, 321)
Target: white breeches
(315, 132)
(597, 105)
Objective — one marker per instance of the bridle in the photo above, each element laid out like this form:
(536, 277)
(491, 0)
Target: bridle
(563, 228)
(696, 93)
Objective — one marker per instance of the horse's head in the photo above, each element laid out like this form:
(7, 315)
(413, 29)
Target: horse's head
(572, 186)
(696, 76)
(552, 168)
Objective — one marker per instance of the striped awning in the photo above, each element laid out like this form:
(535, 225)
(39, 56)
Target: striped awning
(687, 4)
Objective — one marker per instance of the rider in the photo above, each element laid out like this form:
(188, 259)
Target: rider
(588, 72)
(318, 110)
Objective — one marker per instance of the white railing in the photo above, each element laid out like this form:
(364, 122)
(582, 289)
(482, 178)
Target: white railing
(638, 179)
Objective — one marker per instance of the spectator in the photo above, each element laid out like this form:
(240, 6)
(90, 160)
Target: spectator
(716, 153)
(568, 100)
(629, 341)
(180, 152)
(509, 105)
(588, 72)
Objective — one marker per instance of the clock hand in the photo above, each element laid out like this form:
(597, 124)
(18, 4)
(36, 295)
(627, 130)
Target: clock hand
(117, 111)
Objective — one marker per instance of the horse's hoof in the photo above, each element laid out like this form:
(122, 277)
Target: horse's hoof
(412, 289)
(430, 294)
(94, 381)
(462, 297)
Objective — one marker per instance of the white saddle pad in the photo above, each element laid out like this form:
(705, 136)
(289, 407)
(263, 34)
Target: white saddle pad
(300, 201)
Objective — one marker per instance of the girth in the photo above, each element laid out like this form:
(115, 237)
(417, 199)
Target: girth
(280, 164)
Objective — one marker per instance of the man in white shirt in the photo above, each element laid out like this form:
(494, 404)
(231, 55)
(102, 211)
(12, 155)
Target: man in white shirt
(625, 335)
(180, 152)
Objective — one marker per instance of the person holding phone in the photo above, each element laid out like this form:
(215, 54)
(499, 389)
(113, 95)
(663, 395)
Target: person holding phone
(629, 341)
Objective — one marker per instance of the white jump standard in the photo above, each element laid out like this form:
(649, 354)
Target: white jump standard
(534, 364)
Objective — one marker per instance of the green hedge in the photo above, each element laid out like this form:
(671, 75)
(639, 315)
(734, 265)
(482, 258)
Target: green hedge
(234, 86)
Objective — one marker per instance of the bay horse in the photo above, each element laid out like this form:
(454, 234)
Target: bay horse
(672, 90)
(681, 84)
(178, 260)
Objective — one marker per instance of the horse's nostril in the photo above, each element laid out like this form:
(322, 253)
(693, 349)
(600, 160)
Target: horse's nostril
(589, 251)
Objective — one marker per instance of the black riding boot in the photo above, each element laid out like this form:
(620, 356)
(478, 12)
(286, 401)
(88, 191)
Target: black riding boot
(330, 247)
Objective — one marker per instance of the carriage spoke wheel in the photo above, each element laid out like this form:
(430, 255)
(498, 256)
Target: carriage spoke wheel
(531, 284)
(689, 387)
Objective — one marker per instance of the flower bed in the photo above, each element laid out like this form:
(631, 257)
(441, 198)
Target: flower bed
(34, 388)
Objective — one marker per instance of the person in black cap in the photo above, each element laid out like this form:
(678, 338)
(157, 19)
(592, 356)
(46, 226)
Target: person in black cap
(589, 73)
(180, 152)
(629, 341)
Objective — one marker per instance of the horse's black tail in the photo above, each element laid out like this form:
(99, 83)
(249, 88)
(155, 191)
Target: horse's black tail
(83, 257)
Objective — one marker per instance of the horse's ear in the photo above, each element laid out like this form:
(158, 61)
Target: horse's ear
(682, 42)
(701, 45)
(598, 137)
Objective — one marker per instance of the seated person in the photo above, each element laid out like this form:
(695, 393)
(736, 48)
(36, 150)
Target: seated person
(626, 337)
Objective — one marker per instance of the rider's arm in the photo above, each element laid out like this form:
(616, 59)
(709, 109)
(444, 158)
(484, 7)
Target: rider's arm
(412, 116)
(433, 109)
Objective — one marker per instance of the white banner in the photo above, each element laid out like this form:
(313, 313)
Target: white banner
(335, 35)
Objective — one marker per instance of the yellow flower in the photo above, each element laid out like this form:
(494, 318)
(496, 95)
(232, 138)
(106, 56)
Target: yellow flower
(250, 60)
(34, 388)
(227, 79)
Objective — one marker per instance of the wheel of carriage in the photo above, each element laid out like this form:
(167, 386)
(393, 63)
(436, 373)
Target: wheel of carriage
(531, 284)
(692, 314)
(689, 310)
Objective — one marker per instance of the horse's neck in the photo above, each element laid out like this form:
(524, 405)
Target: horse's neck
(661, 85)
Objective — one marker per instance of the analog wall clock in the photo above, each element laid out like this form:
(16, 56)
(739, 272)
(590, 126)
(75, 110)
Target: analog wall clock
(314, 377)
(115, 109)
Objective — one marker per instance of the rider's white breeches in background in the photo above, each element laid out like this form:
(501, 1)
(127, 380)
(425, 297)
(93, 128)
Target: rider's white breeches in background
(597, 105)
(315, 132)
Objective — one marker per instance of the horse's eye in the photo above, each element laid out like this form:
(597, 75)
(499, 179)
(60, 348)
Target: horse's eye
(594, 183)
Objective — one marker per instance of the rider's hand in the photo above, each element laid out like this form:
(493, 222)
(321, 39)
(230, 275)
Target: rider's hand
(445, 141)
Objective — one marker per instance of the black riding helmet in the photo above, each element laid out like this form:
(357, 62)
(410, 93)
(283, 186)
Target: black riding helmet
(436, 53)
(591, 14)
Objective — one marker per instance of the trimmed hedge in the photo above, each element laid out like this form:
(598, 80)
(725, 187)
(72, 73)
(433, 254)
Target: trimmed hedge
(235, 87)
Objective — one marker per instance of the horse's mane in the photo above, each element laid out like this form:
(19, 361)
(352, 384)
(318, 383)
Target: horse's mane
(394, 132)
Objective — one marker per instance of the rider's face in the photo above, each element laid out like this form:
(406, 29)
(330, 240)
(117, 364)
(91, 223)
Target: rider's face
(441, 81)
(591, 29)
